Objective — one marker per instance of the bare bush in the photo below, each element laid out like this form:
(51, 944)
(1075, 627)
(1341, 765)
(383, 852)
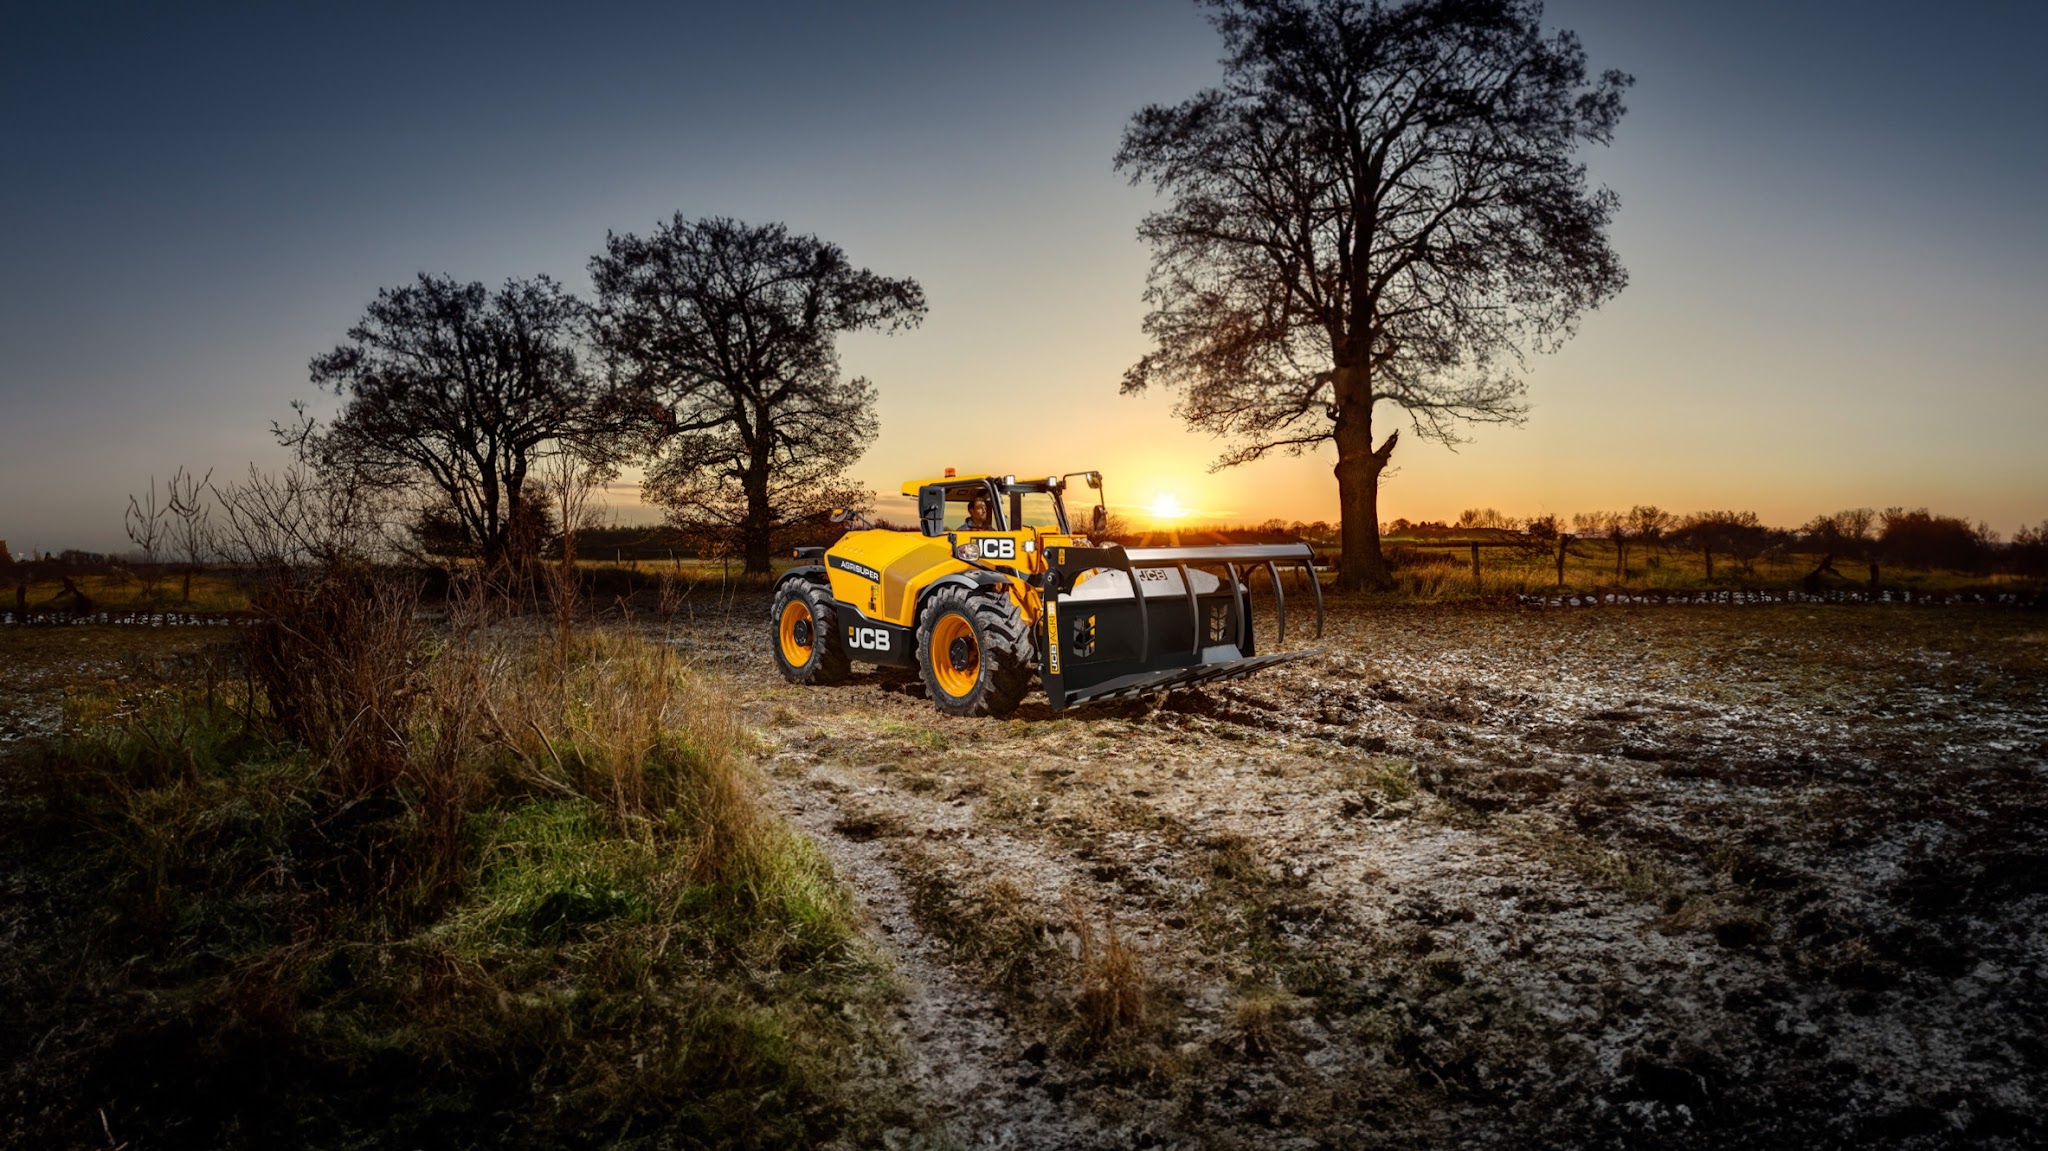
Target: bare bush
(339, 653)
(2028, 553)
(1921, 539)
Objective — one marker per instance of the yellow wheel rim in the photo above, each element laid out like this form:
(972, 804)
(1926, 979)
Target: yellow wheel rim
(953, 643)
(796, 615)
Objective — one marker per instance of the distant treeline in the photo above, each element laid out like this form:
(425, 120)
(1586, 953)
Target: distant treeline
(1859, 538)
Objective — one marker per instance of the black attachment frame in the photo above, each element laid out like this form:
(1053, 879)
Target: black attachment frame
(1158, 671)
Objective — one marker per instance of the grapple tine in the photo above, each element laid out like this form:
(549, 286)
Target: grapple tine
(1144, 609)
(1243, 604)
(1279, 603)
(1194, 608)
(1316, 583)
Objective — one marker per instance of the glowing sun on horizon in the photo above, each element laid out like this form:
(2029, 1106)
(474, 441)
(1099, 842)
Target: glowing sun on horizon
(1166, 506)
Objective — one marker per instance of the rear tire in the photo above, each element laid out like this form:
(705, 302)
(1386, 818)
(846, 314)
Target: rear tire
(804, 633)
(974, 652)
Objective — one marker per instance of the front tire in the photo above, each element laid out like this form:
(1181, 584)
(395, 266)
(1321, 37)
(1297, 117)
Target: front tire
(974, 652)
(804, 625)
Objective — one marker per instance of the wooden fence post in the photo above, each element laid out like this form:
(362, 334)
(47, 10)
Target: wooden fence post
(1475, 567)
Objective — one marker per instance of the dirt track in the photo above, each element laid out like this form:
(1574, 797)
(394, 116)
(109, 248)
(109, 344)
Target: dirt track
(1688, 876)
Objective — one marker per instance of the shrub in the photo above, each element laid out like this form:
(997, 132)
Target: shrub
(1921, 539)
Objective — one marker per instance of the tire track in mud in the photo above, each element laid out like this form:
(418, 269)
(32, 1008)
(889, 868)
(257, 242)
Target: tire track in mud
(965, 1060)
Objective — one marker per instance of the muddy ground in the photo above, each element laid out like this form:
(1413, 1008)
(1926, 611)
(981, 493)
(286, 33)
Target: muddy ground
(1692, 876)
(1675, 876)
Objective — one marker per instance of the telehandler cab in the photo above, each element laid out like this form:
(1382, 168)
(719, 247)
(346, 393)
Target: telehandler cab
(978, 610)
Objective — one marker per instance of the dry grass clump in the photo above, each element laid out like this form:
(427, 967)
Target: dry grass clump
(992, 926)
(1258, 1018)
(467, 888)
(1111, 1000)
(1380, 788)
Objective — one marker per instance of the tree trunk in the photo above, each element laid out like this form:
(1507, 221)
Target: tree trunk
(1358, 469)
(755, 533)
(1564, 543)
(1709, 554)
(1361, 567)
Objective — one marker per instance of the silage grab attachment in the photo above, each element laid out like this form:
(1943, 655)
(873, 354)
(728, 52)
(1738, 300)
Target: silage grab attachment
(1188, 621)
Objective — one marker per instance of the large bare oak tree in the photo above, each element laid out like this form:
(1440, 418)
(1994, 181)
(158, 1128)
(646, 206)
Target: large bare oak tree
(727, 330)
(454, 392)
(1382, 204)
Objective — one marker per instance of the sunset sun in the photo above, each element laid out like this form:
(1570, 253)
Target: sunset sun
(1166, 506)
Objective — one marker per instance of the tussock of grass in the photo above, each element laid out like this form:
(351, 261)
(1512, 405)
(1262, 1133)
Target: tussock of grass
(1112, 993)
(1381, 788)
(549, 913)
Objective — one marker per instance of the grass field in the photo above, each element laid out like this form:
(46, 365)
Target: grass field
(1435, 569)
(562, 920)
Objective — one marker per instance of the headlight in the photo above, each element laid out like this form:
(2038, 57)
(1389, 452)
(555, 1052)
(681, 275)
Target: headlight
(970, 551)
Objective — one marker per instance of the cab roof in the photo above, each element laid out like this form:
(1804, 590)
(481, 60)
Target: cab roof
(1035, 483)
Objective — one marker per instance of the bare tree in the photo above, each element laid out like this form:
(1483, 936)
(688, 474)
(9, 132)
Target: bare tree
(728, 332)
(1488, 519)
(271, 522)
(1543, 534)
(454, 391)
(1615, 527)
(191, 523)
(1649, 524)
(1740, 535)
(1381, 205)
(570, 483)
(1846, 534)
(148, 526)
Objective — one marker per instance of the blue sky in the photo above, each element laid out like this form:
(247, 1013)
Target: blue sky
(1829, 212)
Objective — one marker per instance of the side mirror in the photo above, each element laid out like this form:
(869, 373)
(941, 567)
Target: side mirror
(1095, 480)
(931, 510)
(1099, 525)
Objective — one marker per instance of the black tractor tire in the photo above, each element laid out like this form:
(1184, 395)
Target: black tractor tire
(816, 653)
(988, 662)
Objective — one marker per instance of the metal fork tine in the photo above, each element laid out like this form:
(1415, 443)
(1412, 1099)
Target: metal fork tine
(1279, 603)
(1315, 582)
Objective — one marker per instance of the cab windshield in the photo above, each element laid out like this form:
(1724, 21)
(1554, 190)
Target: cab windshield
(1036, 510)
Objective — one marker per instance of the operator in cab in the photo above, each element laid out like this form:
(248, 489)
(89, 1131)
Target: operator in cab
(980, 516)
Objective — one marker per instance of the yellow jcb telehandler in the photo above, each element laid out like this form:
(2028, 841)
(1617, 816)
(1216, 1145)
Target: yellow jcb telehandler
(996, 586)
